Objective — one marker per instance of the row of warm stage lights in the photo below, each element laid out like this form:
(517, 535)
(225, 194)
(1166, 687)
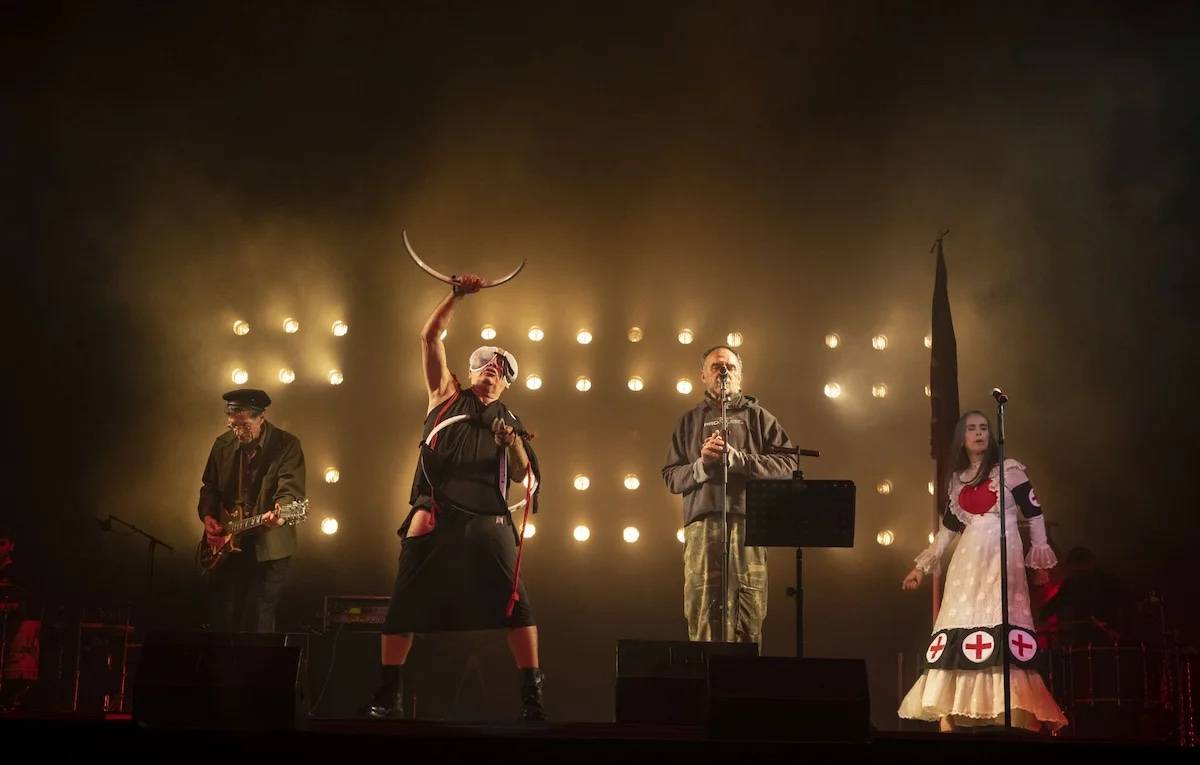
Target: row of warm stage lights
(582, 483)
(630, 534)
(290, 327)
(584, 336)
(583, 384)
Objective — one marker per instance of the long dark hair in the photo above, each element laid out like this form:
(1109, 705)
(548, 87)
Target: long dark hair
(959, 460)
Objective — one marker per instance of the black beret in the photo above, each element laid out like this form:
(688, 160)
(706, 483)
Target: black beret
(247, 398)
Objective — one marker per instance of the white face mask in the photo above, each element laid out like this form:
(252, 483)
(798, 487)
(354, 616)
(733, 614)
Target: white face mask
(486, 354)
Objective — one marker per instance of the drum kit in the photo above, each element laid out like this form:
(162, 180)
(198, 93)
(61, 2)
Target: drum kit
(1114, 688)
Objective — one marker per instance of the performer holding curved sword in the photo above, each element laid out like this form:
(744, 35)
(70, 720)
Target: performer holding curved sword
(460, 555)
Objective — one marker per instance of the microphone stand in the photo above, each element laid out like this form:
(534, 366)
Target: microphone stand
(155, 543)
(1001, 400)
(724, 377)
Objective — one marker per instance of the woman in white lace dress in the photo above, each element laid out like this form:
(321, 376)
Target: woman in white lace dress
(962, 682)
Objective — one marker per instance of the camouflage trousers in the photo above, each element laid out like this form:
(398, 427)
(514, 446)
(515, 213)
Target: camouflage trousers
(747, 591)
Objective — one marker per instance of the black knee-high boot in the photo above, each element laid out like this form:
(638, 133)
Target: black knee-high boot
(388, 701)
(531, 694)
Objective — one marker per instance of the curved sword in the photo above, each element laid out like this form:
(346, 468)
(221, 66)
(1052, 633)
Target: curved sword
(450, 279)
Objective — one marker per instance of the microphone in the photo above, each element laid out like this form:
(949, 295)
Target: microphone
(1000, 396)
(723, 375)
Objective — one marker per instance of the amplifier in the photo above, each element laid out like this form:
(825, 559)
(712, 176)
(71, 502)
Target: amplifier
(355, 612)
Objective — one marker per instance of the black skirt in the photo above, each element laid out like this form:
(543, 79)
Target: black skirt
(458, 576)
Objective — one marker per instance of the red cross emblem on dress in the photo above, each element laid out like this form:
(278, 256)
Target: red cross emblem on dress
(1022, 644)
(978, 646)
(936, 646)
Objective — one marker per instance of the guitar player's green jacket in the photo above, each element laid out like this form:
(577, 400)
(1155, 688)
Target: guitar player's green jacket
(275, 476)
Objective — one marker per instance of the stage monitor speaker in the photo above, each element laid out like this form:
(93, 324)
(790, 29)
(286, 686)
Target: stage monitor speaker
(665, 681)
(345, 670)
(784, 698)
(227, 681)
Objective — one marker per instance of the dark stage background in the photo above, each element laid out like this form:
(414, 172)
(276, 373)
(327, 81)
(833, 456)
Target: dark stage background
(777, 170)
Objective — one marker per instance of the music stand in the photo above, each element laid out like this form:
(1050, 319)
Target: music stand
(794, 512)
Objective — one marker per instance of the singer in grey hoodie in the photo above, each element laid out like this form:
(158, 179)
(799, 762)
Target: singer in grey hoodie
(693, 469)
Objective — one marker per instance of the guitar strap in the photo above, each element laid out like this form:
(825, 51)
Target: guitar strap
(243, 470)
(241, 490)
(243, 500)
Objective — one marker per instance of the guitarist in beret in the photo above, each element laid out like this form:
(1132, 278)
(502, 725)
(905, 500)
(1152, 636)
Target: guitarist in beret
(254, 468)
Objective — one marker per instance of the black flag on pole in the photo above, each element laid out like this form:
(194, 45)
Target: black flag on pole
(943, 393)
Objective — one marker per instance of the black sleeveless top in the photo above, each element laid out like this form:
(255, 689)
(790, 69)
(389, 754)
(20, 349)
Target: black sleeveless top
(466, 467)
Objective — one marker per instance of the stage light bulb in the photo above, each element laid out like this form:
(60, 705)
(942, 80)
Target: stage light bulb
(583, 384)
(734, 339)
(241, 327)
(287, 376)
(536, 334)
(879, 390)
(582, 482)
(928, 341)
(632, 482)
(636, 383)
(635, 334)
(884, 487)
(930, 487)
(684, 386)
(332, 475)
(583, 337)
(928, 392)
(329, 526)
(340, 328)
(833, 390)
(885, 537)
(832, 340)
(336, 377)
(529, 530)
(488, 332)
(533, 382)
(240, 376)
(291, 326)
(680, 536)
(879, 342)
(686, 336)
(630, 534)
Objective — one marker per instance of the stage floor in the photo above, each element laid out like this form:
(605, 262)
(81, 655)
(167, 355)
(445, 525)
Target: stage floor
(328, 739)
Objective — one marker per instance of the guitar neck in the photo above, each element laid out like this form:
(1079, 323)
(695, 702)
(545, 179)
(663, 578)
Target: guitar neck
(245, 524)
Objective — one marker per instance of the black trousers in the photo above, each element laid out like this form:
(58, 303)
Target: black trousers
(245, 593)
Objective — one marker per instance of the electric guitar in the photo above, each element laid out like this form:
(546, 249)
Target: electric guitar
(209, 556)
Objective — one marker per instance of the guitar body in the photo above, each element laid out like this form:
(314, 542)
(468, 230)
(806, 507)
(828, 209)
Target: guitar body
(209, 556)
